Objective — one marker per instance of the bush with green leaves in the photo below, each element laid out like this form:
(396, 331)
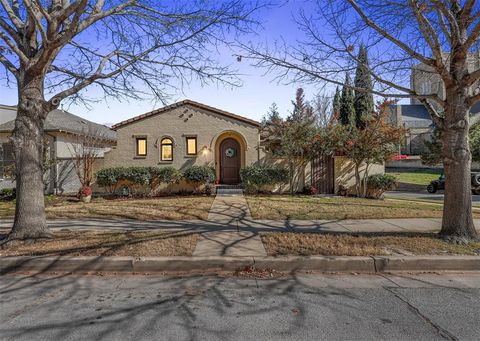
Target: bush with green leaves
(138, 180)
(378, 184)
(199, 175)
(7, 194)
(260, 178)
(109, 178)
(163, 175)
(166, 175)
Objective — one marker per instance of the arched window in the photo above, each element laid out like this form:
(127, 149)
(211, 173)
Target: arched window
(166, 149)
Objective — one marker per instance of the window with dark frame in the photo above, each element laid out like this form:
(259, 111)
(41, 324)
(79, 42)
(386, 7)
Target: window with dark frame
(191, 142)
(141, 146)
(166, 149)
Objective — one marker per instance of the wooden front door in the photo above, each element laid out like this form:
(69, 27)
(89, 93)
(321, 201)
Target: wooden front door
(230, 162)
(323, 175)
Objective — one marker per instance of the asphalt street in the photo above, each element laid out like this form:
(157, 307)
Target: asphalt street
(424, 196)
(306, 307)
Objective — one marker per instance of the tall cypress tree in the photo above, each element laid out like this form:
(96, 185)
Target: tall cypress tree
(336, 103)
(363, 102)
(347, 110)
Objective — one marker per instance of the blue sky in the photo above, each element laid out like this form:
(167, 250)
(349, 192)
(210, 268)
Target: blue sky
(251, 100)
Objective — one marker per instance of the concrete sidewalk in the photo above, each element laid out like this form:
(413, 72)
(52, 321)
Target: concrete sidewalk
(230, 208)
(255, 226)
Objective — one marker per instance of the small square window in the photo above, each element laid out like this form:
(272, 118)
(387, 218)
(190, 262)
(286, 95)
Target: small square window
(191, 145)
(141, 146)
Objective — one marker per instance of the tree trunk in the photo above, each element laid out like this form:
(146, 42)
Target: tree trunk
(357, 180)
(457, 223)
(30, 221)
(365, 180)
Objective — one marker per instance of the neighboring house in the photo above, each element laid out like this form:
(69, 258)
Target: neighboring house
(424, 80)
(414, 116)
(64, 133)
(190, 133)
(417, 120)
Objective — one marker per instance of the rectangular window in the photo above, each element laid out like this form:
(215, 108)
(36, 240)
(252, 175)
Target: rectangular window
(141, 146)
(191, 145)
(167, 152)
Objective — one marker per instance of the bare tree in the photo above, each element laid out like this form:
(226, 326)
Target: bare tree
(434, 37)
(322, 109)
(85, 150)
(126, 48)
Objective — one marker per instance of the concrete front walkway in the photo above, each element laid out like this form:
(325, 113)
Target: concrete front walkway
(230, 208)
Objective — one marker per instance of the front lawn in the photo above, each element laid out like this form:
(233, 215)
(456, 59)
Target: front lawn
(309, 244)
(170, 208)
(280, 207)
(133, 244)
(415, 176)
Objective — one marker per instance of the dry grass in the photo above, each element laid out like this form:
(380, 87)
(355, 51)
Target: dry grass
(169, 208)
(279, 207)
(7, 209)
(308, 244)
(88, 243)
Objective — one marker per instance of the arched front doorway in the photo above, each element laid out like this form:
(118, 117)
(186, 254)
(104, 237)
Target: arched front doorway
(230, 161)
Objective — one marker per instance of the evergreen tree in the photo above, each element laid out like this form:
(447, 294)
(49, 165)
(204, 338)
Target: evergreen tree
(272, 115)
(337, 102)
(347, 110)
(363, 102)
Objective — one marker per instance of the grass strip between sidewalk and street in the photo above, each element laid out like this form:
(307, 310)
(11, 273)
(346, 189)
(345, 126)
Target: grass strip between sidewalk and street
(310, 244)
(90, 243)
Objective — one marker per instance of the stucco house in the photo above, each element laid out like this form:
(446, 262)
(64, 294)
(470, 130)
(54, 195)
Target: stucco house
(189, 133)
(63, 133)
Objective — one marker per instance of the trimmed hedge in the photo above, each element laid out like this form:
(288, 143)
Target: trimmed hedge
(199, 175)
(109, 178)
(258, 178)
(147, 180)
(166, 175)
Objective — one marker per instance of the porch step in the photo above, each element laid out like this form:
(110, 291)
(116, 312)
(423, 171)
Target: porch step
(229, 187)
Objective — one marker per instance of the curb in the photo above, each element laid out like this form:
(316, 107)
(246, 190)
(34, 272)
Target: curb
(374, 264)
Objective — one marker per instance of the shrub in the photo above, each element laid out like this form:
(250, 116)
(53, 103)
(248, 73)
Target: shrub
(210, 189)
(309, 190)
(378, 184)
(199, 175)
(166, 175)
(137, 179)
(258, 178)
(109, 178)
(163, 175)
(7, 194)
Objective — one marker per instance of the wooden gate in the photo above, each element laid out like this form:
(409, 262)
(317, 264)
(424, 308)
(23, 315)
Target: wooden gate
(323, 175)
